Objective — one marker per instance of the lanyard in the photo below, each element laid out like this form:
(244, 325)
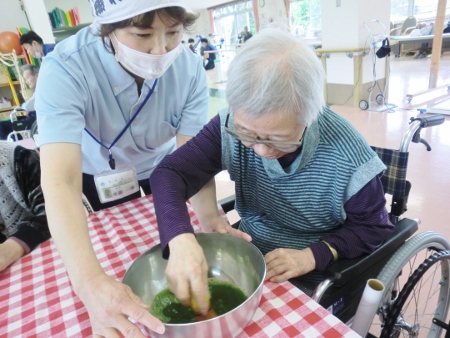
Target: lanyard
(112, 162)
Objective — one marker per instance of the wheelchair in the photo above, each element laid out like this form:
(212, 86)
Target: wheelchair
(393, 262)
(22, 127)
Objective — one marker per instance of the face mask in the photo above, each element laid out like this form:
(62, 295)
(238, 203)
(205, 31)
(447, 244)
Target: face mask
(37, 54)
(145, 65)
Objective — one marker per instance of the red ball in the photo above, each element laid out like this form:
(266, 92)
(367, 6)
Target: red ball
(10, 41)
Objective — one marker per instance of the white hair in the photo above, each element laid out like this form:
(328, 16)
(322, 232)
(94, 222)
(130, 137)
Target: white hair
(274, 72)
(34, 70)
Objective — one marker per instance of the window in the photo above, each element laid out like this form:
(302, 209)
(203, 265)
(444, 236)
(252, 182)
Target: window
(230, 20)
(399, 10)
(421, 9)
(306, 17)
(426, 9)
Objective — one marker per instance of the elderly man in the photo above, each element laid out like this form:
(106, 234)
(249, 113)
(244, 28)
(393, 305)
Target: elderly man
(308, 187)
(28, 115)
(34, 45)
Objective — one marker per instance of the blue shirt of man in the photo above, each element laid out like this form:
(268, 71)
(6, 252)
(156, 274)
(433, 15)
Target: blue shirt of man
(209, 56)
(48, 47)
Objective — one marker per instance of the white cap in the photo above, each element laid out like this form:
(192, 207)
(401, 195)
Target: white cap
(111, 11)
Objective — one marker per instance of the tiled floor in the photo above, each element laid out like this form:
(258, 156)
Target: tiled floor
(429, 172)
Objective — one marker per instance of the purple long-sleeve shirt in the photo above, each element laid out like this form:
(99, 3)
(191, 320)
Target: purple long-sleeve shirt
(183, 173)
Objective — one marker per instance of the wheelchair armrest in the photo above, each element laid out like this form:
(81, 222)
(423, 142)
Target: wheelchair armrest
(343, 270)
(227, 203)
(408, 30)
(393, 30)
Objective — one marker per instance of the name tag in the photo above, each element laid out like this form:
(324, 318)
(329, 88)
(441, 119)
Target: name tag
(116, 184)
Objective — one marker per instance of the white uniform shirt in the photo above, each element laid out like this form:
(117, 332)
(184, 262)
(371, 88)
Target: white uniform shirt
(82, 85)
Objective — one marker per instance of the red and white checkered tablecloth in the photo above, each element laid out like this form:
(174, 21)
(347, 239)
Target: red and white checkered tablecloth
(37, 300)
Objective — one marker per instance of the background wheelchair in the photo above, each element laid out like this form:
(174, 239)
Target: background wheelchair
(22, 127)
(393, 262)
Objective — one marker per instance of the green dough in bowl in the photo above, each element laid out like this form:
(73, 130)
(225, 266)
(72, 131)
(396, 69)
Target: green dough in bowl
(224, 297)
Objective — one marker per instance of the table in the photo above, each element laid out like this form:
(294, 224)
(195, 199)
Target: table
(408, 39)
(36, 298)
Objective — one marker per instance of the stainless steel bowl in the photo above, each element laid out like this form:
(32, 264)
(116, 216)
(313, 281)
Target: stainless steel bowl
(230, 259)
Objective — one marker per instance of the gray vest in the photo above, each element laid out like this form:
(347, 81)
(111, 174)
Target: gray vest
(296, 206)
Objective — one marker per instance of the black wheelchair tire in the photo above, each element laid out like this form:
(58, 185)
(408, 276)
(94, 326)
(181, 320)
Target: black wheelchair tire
(417, 244)
(397, 309)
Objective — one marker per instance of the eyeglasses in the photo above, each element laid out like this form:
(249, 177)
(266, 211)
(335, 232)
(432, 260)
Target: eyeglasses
(249, 141)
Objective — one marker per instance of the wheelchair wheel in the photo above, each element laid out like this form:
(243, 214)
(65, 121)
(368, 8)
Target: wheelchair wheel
(394, 274)
(429, 280)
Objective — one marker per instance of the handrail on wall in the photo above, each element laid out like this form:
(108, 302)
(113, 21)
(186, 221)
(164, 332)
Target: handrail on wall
(321, 51)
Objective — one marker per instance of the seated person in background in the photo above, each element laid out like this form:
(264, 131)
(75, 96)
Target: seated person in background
(209, 56)
(447, 28)
(421, 29)
(23, 224)
(246, 34)
(307, 184)
(191, 45)
(34, 45)
(30, 74)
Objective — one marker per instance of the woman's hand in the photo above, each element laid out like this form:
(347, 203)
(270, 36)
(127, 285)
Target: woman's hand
(110, 303)
(283, 264)
(10, 251)
(187, 272)
(221, 225)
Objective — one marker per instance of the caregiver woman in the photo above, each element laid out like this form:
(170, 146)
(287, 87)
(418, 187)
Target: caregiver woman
(115, 99)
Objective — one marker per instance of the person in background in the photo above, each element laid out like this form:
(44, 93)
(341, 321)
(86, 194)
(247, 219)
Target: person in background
(208, 56)
(447, 28)
(307, 184)
(115, 99)
(191, 45)
(202, 50)
(27, 114)
(421, 29)
(23, 224)
(34, 45)
(246, 34)
(30, 74)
